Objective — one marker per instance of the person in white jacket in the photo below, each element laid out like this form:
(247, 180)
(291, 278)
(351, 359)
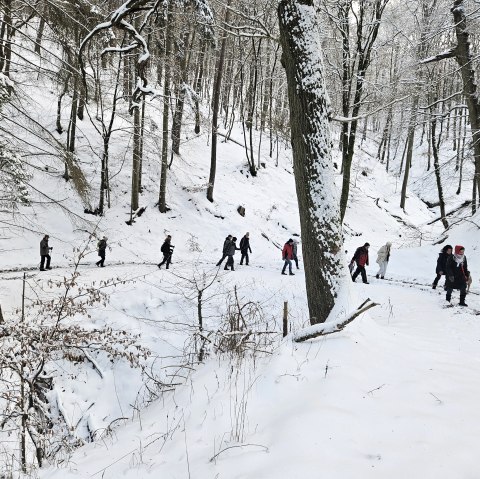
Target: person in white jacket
(383, 256)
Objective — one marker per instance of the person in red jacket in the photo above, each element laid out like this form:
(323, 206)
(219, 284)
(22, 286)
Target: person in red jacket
(287, 256)
(361, 258)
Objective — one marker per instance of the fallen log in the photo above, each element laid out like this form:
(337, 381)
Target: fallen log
(322, 329)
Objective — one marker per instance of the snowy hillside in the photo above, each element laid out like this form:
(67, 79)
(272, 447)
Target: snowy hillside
(391, 395)
(213, 389)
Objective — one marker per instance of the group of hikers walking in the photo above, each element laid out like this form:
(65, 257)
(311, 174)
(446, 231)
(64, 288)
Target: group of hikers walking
(229, 248)
(451, 263)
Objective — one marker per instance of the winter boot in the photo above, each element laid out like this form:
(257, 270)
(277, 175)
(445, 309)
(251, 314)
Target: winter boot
(448, 297)
(383, 277)
(377, 276)
(283, 272)
(434, 286)
(291, 274)
(462, 300)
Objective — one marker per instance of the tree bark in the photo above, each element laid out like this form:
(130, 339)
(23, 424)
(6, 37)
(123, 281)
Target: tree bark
(311, 145)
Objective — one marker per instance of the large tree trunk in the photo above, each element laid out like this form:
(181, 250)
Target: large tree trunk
(464, 59)
(311, 145)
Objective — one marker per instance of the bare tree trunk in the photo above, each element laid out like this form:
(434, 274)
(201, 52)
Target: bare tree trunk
(136, 160)
(311, 145)
(270, 115)
(178, 115)
(7, 46)
(198, 85)
(162, 202)
(436, 164)
(410, 141)
(38, 40)
(215, 107)
(59, 104)
(72, 125)
(140, 149)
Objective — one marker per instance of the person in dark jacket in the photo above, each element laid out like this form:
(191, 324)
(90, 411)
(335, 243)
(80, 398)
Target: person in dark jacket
(287, 256)
(361, 258)
(245, 248)
(167, 250)
(101, 247)
(442, 264)
(227, 241)
(457, 274)
(231, 248)
(45, 253)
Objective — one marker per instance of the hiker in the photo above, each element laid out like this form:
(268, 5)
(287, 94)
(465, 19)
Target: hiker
(383, 256)
(231, 248)
(227, 241)
(167, 250)
(245, 248)
(457, 274)
(361, 258)
(101, 247)
(287, 256)
(442, 263)
(294, 251)
(45, 253)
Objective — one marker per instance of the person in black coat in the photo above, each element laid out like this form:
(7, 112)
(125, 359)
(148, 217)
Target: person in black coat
(442, 263)
(167, 250)
(232, 247)
(226, 243)
(245, 248)
(457, 274)
(102, 247)
(45, 253)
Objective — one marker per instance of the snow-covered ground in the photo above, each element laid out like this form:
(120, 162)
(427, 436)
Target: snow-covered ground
(394, 394)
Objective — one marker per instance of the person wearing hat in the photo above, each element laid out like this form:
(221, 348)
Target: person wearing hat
(287, 256)
(102, 247)
(444, 254)
(45, 253)
(361, 258)
(383, 256)
(245, 248)
(456, 271)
